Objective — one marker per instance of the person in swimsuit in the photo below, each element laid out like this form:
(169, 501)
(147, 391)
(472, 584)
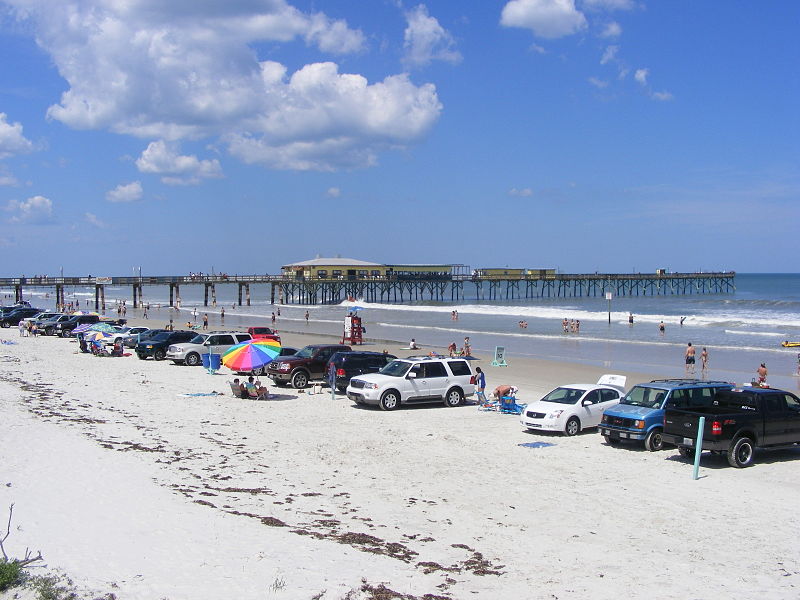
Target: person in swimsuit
(690, 359)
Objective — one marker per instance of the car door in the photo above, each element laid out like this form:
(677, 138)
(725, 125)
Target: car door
(775, 419)
(589, 409)
(608, 399)
(417, 384)
(220, 343)
(317, 365)
(792, 419)
(437, 378)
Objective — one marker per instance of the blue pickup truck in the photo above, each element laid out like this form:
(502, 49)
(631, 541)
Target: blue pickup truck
(640, 414)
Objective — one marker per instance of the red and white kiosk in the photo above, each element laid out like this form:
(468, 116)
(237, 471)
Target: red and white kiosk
(353, 330)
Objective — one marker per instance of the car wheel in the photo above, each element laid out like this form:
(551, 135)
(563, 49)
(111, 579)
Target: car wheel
(685, 452)
(454, 397)
(573, 426)
(341, 389)
(390, 400)
(4, 324)
(654, 441)
(141, 356)
(299, 380)
(611, 441)
(159, 355)
(49, 331)
(192, 359)
(740, 454)
(259, 371)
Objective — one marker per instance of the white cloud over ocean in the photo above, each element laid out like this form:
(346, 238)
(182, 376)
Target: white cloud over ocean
(163, 158)
(190, 70)
(547, 19)
(425, 40)
(36, 210)
(125, 192)
(12, 141)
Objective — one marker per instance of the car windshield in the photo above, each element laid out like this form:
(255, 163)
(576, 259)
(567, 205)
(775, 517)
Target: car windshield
(198, 339)
(396, 368)
(644, 396)
(160, 337)
(306, 352)
(564, 395)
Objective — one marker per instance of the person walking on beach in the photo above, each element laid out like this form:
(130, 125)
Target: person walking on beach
(690, 359)
(661, 327)
(762, 375)
(222, 314)
(565, 325)
(205, 320)
(704, 361)
(480, 385)
(144, 314)
(467, 347)
(273, 318)
(630, 318)
(306, 316)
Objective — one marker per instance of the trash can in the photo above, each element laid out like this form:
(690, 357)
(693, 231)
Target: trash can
(212, 362)
(206, 360)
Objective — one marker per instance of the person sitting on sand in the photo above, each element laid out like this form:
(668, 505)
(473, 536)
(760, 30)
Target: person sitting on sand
(412, 345)
(262, 393)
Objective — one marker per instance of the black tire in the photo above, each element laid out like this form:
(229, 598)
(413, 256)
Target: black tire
(341, 389)
(654, 440)
(192, 359)
(573, 426)
(259, 371)
(390, 400)
(740, 453)
(685, 452)
(280, 383)
(611, 441)
(49, 331)
(299, 380)
(141, 356)
(5, 324)
(454, 397)
(159, 354)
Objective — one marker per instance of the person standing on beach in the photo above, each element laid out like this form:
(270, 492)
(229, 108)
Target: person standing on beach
(762, 374)
(306, 316)
(690, 359)
(205, 320)
(661, 327)
(630, 318)
(704, 361)
(480, 384)
(144, 314)
(273, 318)
(222, 314)
(467, 347)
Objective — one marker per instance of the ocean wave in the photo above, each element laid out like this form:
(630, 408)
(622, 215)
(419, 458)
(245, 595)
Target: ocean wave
(764, 333)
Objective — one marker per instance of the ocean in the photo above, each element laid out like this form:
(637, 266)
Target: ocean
(739, 329)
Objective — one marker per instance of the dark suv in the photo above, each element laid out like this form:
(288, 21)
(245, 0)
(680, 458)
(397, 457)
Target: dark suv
(157, 345)
(48, 327)
(309, 363)
(15, 316)
(64, 328)
(350, 364)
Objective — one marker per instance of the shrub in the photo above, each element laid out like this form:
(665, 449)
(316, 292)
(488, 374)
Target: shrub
(10, 574)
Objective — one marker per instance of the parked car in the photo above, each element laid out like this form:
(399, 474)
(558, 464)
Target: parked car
(640, 414)
(350, 364)
(285, 351)
(307, 364)
(64, 328)
(214, 342)
(127, 333)
(414, 380)
(131, 342)
(258, 333)
(15, 316)
(157, 345)
(574, 407)
(41, 317)
(48, 327)
(737, 422)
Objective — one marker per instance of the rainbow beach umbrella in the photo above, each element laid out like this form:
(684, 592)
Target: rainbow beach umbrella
(97, 336)
(251, 355)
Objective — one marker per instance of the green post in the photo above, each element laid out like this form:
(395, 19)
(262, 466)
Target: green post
(699, 449)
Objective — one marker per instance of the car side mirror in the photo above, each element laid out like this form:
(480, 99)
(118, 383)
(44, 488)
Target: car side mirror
(412, 375)
(586, 402)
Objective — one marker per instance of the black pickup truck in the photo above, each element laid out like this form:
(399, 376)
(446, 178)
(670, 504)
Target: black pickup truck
(737, 422)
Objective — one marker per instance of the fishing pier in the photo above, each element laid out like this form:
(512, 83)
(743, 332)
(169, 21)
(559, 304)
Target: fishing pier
(457, 284)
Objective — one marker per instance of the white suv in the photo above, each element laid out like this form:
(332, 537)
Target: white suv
(214, 342)
(414, 380)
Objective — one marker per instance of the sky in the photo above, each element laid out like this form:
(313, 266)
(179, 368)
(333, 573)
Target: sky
(238, 136)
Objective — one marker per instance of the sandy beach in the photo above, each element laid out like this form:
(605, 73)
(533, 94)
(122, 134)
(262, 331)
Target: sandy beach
(130, 486)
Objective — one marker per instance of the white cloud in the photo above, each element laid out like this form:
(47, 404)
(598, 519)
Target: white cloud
(641, 76)
(36, 210)
(609, 55)
(547, 19)
(191, 70)
(524, 192)
(125, 192)
(334, 192)
(12, 141)
(598, 83)
(92, 219)
(662, 96)
(425, 40)
(611, 30)
(163, 158)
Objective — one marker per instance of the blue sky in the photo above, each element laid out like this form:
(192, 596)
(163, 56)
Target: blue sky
(586, 135)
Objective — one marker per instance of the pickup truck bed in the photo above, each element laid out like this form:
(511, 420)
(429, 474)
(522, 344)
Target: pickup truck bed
(737, 423)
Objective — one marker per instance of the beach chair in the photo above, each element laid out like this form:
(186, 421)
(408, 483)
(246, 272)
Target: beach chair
(508, 405)
(235, 390)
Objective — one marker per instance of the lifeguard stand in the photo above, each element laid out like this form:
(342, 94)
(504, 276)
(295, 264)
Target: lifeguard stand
(352, 330)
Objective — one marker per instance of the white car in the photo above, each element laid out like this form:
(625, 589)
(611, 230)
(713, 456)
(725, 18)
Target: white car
(125, 333)
(571, 408)
(414, 380)
(214, 342)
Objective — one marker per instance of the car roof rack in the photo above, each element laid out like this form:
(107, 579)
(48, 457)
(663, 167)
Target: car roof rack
(688, 381)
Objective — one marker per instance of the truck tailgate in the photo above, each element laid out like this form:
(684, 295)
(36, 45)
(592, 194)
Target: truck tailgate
(681, 423)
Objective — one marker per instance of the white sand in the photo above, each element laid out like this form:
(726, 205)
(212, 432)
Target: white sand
(131, 488)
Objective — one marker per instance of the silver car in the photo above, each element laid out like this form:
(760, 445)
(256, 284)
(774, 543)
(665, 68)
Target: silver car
(214, 342)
